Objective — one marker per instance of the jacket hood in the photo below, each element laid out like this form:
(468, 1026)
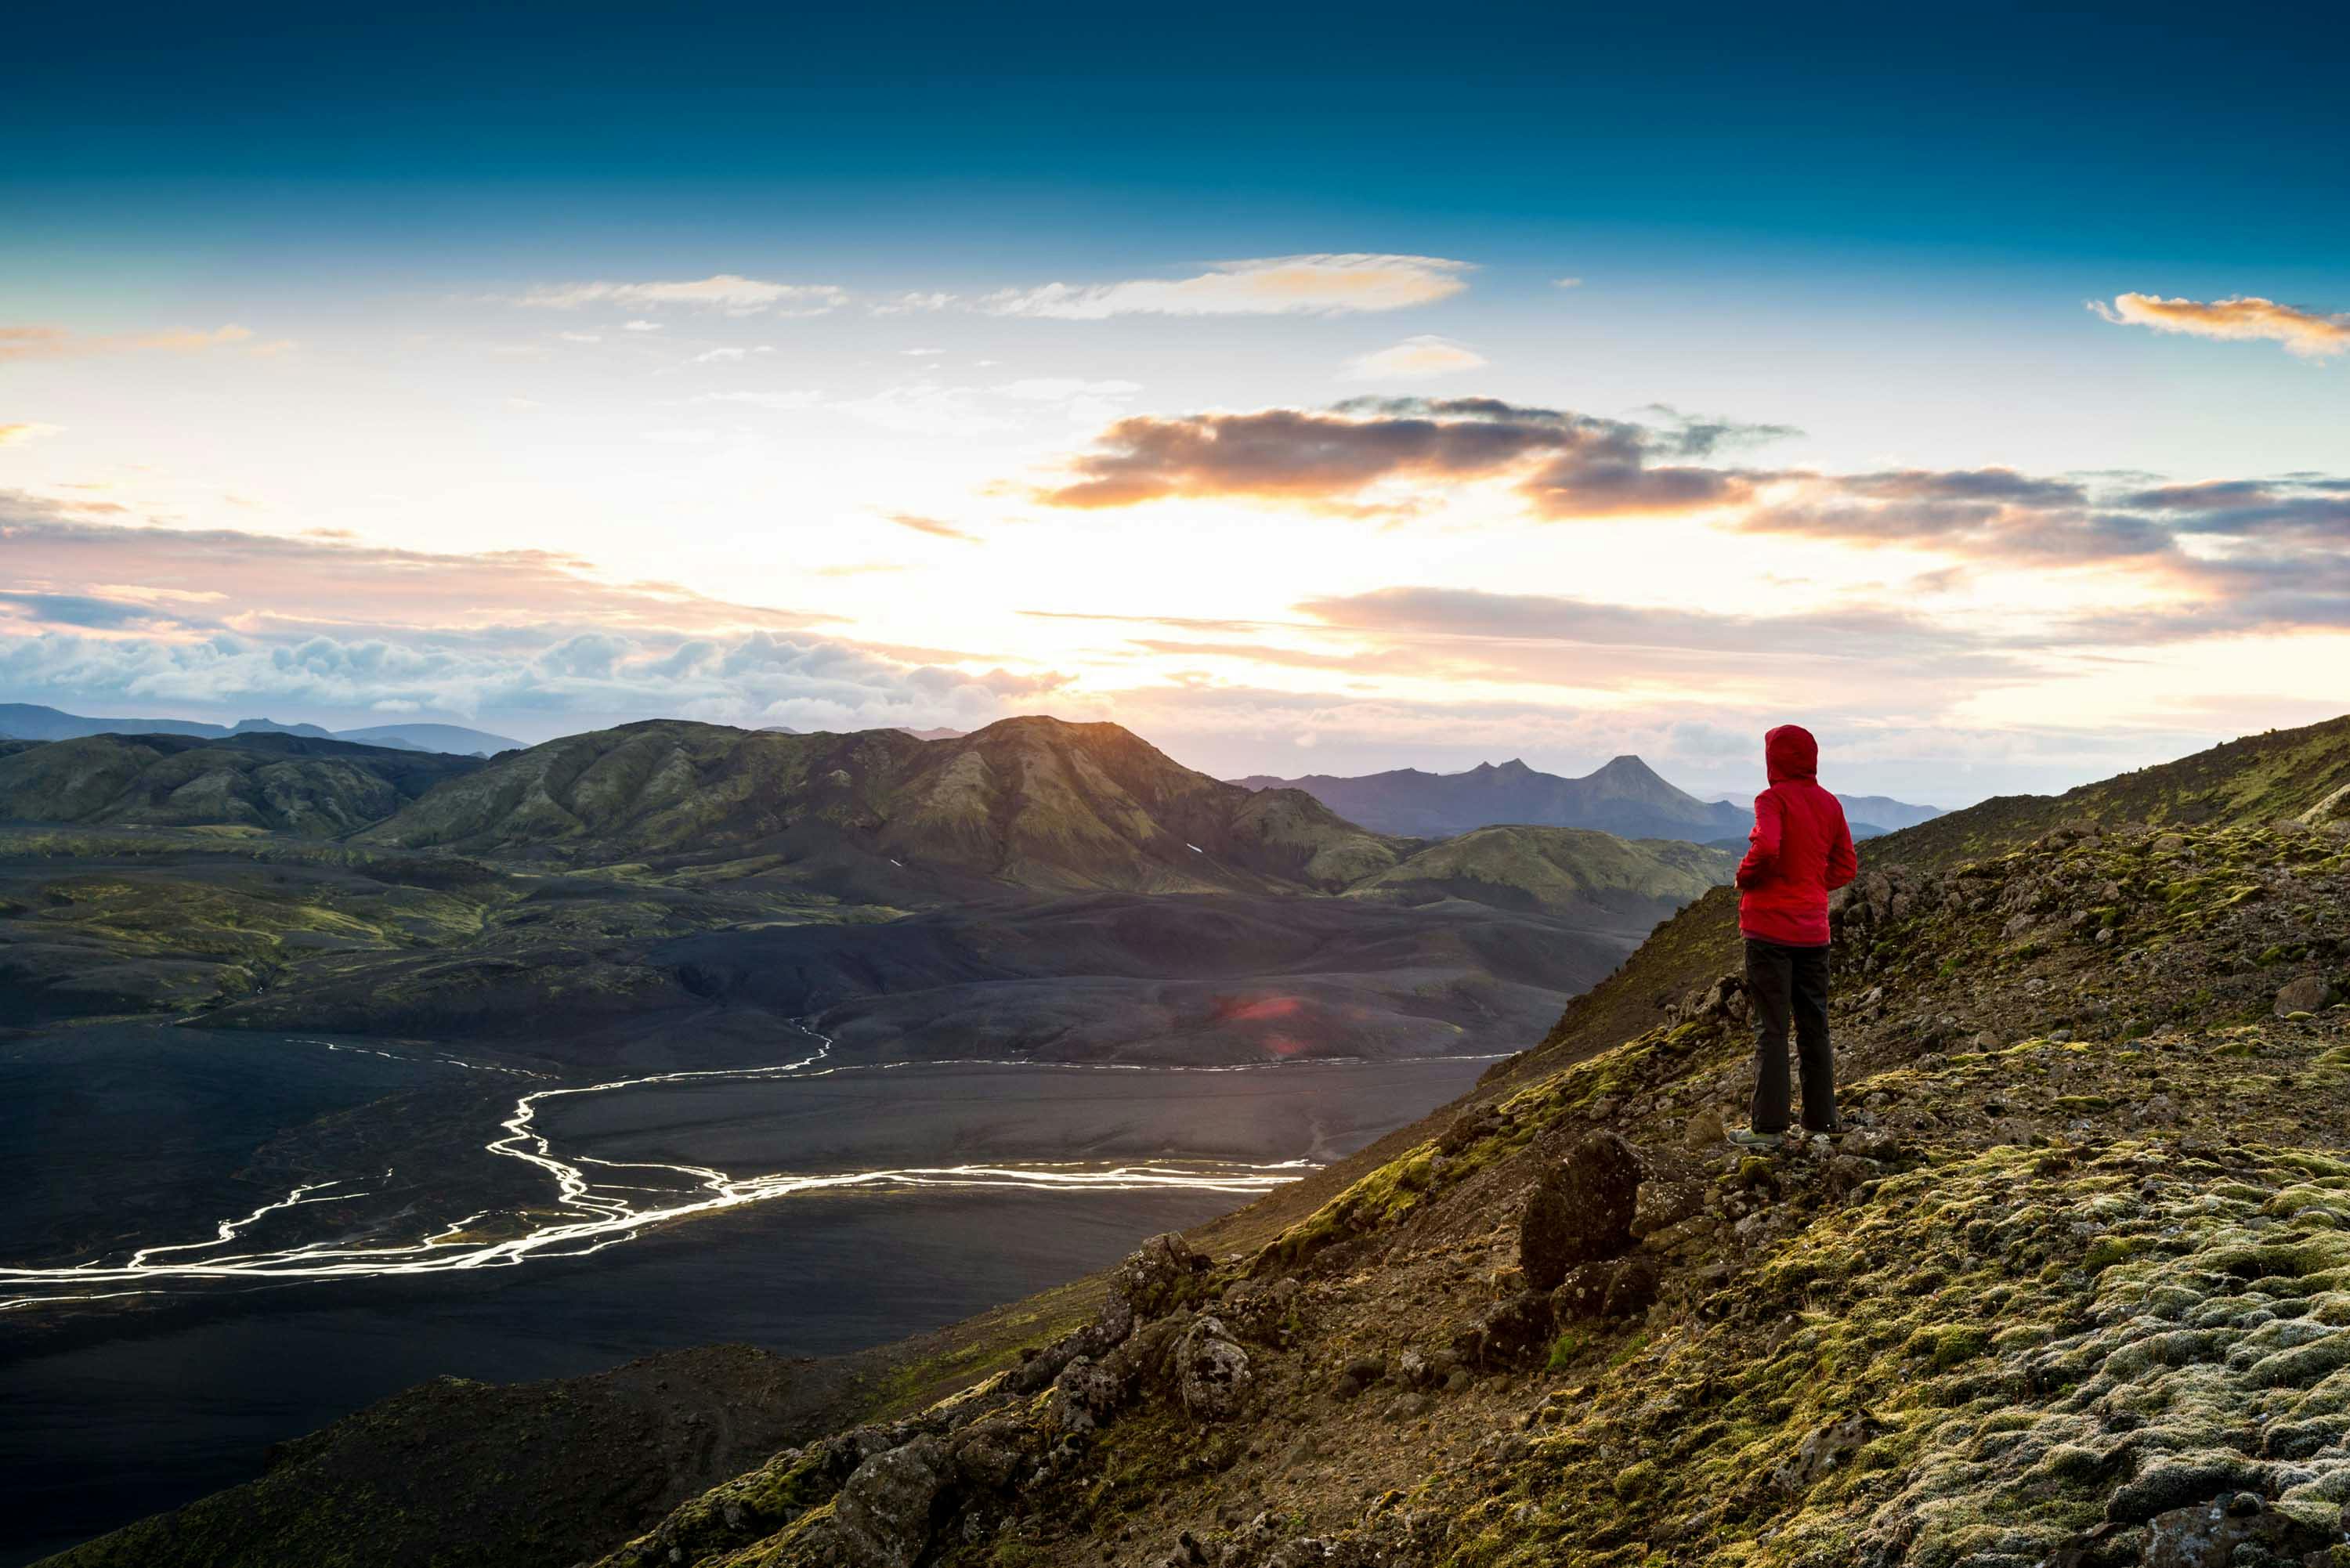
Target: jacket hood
(1790, 752)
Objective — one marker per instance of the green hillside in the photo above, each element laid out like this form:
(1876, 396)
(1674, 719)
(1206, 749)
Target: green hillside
(1565, 870)
(284, 784)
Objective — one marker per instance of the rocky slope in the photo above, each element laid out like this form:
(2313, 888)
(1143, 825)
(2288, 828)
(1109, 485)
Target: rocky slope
(2072, 1292)
(281, 783)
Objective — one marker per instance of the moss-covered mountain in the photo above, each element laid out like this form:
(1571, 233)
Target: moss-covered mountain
(1635, 882)
(1033, 801)
(1036, 884)
(2072, 1292)
(281, 783)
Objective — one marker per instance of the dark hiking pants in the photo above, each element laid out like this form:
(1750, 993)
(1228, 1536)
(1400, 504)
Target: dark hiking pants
(1780, 983)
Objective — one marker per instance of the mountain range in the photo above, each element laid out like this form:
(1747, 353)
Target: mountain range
(1034, 887)
(31, 721)
(1625, 797)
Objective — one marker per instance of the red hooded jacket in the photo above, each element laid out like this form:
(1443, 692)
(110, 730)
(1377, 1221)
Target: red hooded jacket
(1800, 851)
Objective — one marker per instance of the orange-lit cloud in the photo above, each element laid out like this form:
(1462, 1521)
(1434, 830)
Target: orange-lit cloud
(932, 526)
(2241, 318)
(24, 431)
(56, 343)
(1272, 285)
(319, 580)
(1565, 464)
(1416, 358)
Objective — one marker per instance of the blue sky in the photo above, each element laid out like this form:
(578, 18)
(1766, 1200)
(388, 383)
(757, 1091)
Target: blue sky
(322, 289)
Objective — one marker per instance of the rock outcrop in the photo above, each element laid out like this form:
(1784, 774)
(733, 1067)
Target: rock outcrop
(1581, 1210)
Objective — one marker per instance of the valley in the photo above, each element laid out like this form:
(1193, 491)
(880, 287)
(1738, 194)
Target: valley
(2087, 1215)
(315, 1049)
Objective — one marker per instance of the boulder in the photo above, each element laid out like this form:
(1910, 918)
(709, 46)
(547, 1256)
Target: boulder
(988, 1452)
(1619, 1287)
(1510, 1330)
(2230, 1528)
(1664, 1204)
(1468, 1127)
(1152, 1278)
(1212, 1371)
(886, 1511)
(1086, 1393)
(2306, 995)
(1580, 1212)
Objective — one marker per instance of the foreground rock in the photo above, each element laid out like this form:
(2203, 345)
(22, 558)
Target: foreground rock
(1581, 1211)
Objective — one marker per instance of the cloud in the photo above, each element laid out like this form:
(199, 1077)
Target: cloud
(728, 293)
(1857, 632)
(640, 326)
(801, 398)
(1566, 282)
(2241, 318)
(17, 434)
(932, 526)
(1414, 358)
(246, 619)
(923, 408)
(275, 582)
(56, 343)
(1060, 389)
(1565, 464)
(907, 304)
(1272, 285)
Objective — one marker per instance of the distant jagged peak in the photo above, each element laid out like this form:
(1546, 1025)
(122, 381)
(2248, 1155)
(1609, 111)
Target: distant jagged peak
(1626, 764)
(271, 726)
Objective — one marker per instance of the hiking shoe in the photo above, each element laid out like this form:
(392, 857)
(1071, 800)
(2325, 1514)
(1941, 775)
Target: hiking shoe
(1836, 1129)
(1747, 1137)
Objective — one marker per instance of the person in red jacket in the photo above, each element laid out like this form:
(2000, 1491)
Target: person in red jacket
(1799, 852)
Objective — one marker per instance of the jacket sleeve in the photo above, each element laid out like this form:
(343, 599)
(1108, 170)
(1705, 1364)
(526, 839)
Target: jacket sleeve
(1843, 860)
(1762, 842)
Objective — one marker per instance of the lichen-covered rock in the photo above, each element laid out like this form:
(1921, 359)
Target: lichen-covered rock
(886, 1511)
(1086, 1394)
(2234, 1531)
(1581, 1210)
(990, 1452)
(1152, 1278)
(1212, 1371)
